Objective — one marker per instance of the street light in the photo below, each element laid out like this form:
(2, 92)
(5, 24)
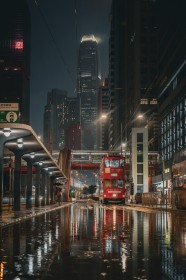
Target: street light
(122, 144)
(104, 116)
(6, 131)
(32, 155)
(144, 122)
(20, 142)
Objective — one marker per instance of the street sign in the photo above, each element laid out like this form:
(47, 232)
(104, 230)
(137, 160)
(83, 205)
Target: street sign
(9, 106)
(9, 112)
(9, 116)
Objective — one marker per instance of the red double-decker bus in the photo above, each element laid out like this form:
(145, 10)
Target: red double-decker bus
(112, 175)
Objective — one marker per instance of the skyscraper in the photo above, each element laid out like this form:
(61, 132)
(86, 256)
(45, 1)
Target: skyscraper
(15, 56)
(170, 84)
(103, 109)
(59, 116)
(132, 65)
(87, 89)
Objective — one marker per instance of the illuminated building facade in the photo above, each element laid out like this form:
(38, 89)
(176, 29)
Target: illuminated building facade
(171, 87)
(88, 82)
(15, 56)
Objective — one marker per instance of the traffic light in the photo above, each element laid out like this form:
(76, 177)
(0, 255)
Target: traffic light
(132, 188)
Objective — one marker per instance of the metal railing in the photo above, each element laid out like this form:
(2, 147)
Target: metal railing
(159, 199)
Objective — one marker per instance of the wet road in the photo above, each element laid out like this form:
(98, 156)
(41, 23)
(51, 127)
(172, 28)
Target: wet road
(88, 241)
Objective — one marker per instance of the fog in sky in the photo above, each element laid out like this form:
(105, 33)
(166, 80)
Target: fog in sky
(56, 30)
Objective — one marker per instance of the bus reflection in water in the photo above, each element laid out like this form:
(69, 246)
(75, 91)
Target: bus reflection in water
(112, 175)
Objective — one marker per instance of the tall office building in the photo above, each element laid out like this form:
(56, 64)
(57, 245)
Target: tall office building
(151, 76)
(170, 86)
(103, 120)
(59, 116)
(132, 66)
(87, 90)
(73, 131)
(117, 72)
(15, 56)
(73, 137)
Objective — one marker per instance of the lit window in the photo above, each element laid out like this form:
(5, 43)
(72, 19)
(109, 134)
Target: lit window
(144, 101)
(154, 101)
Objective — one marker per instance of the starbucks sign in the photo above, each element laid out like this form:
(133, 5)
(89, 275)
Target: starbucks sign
(9, 116)
(9, 112)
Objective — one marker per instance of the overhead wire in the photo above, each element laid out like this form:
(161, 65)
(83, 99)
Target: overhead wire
(55, 43)
(44, 18)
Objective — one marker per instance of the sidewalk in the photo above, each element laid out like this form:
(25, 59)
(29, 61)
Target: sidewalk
(158, 207)
(10, 216)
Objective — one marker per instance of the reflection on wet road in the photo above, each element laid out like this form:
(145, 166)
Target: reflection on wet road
(89, 241)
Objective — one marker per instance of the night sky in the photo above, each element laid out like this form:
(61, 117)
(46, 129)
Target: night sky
(56, 33)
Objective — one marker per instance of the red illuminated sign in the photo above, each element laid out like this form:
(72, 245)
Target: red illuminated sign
(18, 44)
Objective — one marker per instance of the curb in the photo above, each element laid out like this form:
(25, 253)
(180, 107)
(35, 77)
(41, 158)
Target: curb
(28, 214)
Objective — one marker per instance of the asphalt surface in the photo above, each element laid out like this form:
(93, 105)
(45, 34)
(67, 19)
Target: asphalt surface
(9, 216)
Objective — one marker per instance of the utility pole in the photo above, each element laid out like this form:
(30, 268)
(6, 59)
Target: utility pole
(121, 140)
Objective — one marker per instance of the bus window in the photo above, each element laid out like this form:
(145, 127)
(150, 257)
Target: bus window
(122, 162)
(106, 163)
(114, 163)
(114, 183)
(107, 184)
(120, 183)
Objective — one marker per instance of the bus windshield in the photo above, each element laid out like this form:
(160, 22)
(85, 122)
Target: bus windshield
(112, 163)
(113, 183)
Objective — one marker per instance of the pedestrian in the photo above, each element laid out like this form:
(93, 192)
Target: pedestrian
(59, 196)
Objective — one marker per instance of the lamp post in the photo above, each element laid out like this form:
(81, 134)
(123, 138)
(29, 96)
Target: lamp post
(122, 144)
(121, 131)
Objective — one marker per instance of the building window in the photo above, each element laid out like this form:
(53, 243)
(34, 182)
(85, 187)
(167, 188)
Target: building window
(144, 101)
(139, 137)
(140, 188)
(139, 148)
(139, 168)
(139, 152)
(154, 101)
(139, 179)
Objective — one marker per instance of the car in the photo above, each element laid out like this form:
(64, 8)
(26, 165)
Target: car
(138, 198)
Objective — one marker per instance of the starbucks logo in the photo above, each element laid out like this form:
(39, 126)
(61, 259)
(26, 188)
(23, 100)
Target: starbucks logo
(11, 117)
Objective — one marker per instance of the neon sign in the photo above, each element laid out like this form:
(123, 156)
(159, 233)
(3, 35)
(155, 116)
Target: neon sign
(18, 44)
